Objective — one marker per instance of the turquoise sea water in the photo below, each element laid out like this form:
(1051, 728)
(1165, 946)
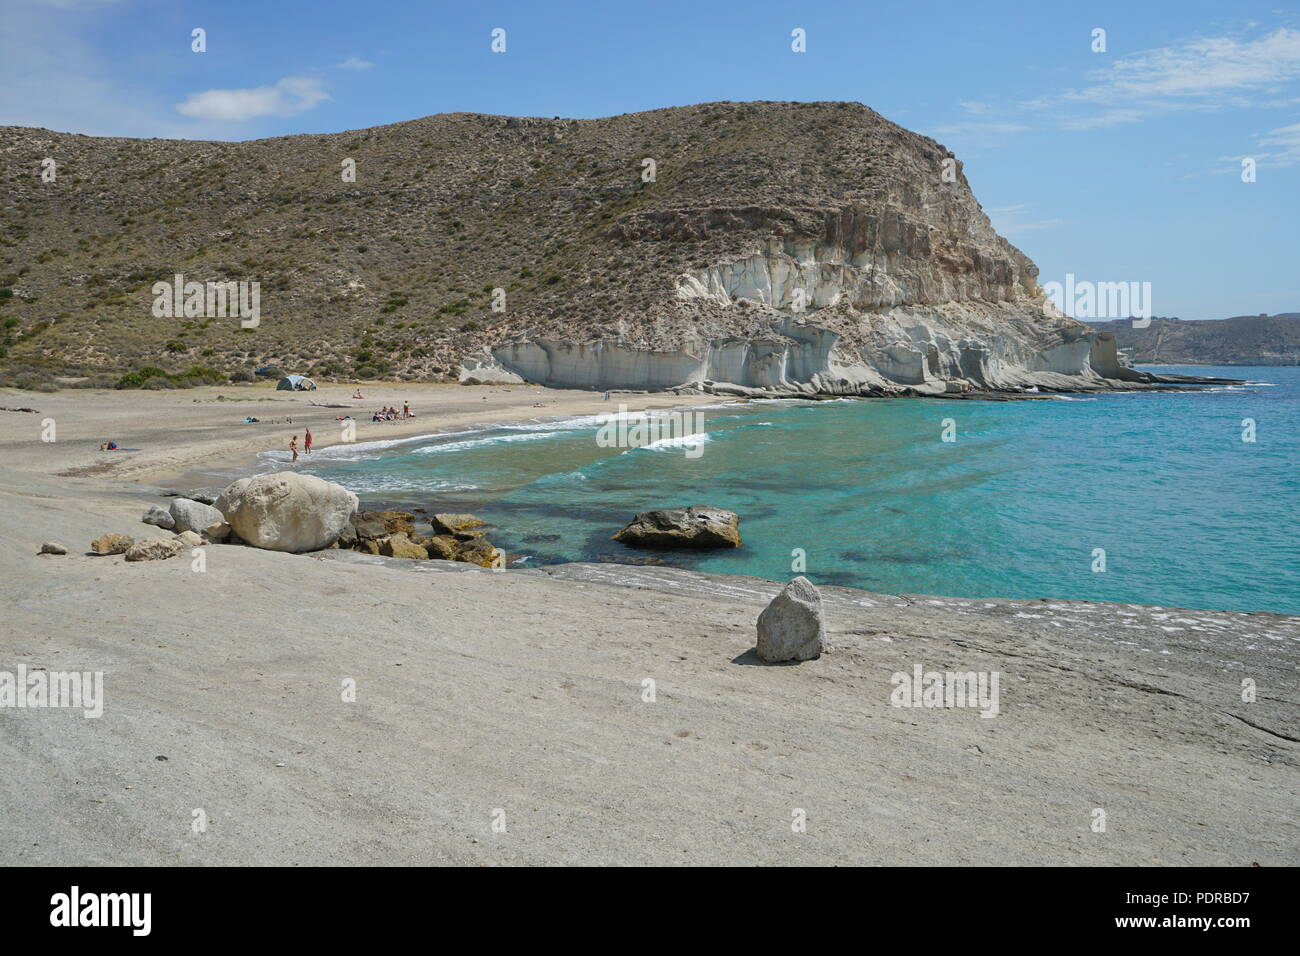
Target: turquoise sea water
(1187, 512)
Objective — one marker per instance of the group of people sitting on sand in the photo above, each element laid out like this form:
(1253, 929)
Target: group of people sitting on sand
(391, 414)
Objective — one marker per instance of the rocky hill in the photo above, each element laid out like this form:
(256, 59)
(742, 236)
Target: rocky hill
(807, 247)
(1240, 340)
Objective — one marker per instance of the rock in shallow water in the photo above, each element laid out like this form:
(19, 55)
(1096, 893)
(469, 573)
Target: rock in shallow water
(698, 527)
(791, 627)
(287, 511)
(455, 524)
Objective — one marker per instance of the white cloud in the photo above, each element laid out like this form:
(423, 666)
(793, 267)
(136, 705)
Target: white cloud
(1281, 148)
(355, 62)
(288, 97)
(978, 134)
(1199, 74)
(1206, 67)
(1204, 73)
(1010, 220)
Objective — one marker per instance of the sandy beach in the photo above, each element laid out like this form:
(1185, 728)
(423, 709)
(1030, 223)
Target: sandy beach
(504, 717)
(167, 434)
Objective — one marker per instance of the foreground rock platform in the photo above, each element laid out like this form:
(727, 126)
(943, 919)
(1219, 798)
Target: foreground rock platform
(523, 690)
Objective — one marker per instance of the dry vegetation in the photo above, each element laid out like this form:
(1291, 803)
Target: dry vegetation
(391, 276)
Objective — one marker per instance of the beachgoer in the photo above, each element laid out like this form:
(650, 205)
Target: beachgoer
(357, 394)
(406, 410)
(293, 447)
(306, 441)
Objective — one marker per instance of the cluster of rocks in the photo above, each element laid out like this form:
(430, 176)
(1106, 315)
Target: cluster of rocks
(142, 549)
(456, 537)
(297, 514)
(192, 524)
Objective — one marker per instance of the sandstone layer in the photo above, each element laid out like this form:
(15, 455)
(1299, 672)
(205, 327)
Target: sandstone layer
(808, 248)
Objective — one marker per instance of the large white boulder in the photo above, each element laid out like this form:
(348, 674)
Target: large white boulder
(287, 511)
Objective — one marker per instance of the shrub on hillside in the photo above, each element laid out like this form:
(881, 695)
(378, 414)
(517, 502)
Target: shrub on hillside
(137, 379)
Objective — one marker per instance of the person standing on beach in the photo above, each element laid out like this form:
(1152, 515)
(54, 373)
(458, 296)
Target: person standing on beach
(306, 442)
(293, 447)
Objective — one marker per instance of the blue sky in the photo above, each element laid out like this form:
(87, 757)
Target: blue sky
(1122, 165)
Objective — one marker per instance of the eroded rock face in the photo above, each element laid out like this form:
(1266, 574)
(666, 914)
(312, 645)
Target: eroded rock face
(791, 627)
(287, 511)
(892, 283)
(697, 527)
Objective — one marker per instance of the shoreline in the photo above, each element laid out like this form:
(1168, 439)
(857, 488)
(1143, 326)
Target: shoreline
(524, 690)
(228, 457)
(183, 432)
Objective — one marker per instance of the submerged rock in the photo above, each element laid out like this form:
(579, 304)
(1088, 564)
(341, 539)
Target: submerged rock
(696, 527)
(287, 511)
(791, 627)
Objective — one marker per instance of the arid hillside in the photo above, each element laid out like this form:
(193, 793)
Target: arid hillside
(1241, 340)
(392, 275)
